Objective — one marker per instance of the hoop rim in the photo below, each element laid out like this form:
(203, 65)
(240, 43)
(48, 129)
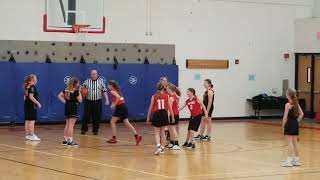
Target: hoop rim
(76, 28)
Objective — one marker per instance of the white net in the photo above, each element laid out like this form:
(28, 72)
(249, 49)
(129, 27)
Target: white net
(81, 34)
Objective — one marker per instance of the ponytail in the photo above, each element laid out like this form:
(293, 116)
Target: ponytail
(72, 83)
(174, 88)
(116, 86)
(160, 87)
(177, 91)
(295, 102)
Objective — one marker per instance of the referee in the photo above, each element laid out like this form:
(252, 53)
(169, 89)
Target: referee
(93, 103)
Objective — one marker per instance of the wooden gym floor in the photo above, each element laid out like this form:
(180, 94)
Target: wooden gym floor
(247, 150)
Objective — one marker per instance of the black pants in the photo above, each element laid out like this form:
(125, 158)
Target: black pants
(92, 109)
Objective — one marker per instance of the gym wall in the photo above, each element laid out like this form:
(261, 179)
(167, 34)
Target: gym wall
(257, 33)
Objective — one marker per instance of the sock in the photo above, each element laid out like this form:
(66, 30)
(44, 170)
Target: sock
(114, 137)
(158, 146)
(171, 142)
(289, 158)
(297, 158)
(176, 143)
(70, 139)
(65, 138)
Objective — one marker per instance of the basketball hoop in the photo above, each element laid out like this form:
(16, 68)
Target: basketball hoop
(77, 28)
(79, 32)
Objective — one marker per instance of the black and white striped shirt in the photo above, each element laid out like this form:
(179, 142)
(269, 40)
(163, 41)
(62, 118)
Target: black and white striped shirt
(95, 88)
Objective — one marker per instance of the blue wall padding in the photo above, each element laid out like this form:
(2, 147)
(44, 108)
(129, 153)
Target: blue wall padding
(138, 82)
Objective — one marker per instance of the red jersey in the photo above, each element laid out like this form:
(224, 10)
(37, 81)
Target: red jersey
(175, 104)
(160, 102)
(194, 107)
(120, 101)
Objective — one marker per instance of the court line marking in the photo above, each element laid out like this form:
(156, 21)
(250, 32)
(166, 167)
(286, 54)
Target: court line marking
(236, 150)
(267, 175)
(87, 161)
(212, 154)
(191, 175)
(130, 142)
(221, 155)
(46, 168)
(202, 175)
(246, 160)
(285, 171)
(151, 178)
(278, 124)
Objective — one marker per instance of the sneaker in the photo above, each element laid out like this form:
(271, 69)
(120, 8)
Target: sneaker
(205, 138)
(28, 137)
(138, 140)
(162, 150)
(158, 151)
(199, 137)
(73, 144)
(112, 141)
(186, 144)
(169, 145)
(34, 138)
(64, 143)
(296, 162)
(175, 147)
(287, 163)
(191, 146)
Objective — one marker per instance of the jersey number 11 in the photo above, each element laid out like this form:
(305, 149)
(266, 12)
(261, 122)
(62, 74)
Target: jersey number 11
(160, 103)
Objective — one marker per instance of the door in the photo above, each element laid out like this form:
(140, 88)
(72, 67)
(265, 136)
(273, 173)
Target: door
(316, 84)
(304, 80)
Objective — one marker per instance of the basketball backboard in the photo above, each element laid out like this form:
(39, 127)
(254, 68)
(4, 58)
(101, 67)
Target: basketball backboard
(61, 15)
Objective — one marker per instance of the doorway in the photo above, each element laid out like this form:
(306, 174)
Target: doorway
(307, 81)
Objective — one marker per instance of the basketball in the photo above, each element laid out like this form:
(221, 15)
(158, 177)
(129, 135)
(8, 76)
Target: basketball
(84, 92)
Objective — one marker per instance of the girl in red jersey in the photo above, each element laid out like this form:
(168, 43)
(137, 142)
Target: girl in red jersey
(31, 103)
(159, 106)
(120, 112)
(165, 82)
(174, 94)
(195, 107)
